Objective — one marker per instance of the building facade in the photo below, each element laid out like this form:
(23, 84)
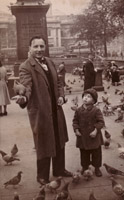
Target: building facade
(60, 38)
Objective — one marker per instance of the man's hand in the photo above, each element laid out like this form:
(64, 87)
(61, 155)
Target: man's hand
(60, 101)
(77, 132)
(93, 134)
(21, 100)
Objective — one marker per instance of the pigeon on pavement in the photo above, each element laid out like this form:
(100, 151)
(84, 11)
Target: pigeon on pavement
(120, 115)
(105, 100)
(88, 174)
(92, 197)
(112, 170)
(41, 195)
(107, 135)
(15, 180)
(8, 159)
(117, 188)
(76, 176)
(14, 150)
(121, 151)
(54, 185)
(16, 196)
(64, 193)
(106, 143)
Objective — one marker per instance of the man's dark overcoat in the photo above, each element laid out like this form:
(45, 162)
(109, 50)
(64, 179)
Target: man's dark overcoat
(39, 106)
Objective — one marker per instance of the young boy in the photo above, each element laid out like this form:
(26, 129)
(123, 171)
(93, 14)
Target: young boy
(87, 124)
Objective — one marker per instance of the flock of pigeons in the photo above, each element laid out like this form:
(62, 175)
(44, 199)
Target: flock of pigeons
(60, 190)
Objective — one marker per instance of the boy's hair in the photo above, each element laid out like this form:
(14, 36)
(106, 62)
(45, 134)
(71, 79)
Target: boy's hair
(92, 92)
(36, 37)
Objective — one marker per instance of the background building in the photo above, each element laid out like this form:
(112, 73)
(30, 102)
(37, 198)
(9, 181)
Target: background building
(61, 40)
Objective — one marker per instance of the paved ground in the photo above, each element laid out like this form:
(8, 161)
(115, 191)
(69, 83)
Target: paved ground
(15, 128)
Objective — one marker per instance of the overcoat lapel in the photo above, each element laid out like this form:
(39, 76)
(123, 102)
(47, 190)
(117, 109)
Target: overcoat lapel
(38, 68)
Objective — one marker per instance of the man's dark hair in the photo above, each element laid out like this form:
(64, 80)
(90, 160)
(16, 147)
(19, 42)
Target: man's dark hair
(36, 37)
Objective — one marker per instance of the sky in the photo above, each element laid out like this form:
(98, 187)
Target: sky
(65, 6)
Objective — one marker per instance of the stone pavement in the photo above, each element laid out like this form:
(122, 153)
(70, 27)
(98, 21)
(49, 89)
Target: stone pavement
(15, 128)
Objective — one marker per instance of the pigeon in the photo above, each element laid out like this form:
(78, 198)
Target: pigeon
(105, 100)
(64, 193)
(108, 87)
(105, 92)
(19, 88)
(54, 185)
(122, 132)
(41, 195)
(117, 188)
(120, 115)
(76, 176)
(16, 196)
(15, 180)
(105, 110)
(14, 150)
(112, 170)
(120, 93)
(106, 143)
(88, 174)
(116, 91)
(121, 151)
(8, 159)
(74, 108)
(75, 100)
(68, 88)
(107, 135)
(92, 197)
(122, 100)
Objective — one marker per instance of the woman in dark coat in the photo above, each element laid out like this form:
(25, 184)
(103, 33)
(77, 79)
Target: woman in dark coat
(44, 99)
(89, 74)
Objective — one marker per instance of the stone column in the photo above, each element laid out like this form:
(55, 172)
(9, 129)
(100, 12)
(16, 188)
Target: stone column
(30, 21)
(98, 80)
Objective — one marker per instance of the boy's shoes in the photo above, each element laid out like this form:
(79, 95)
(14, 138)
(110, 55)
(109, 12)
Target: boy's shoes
(98, 172)
(42, 181)
(64, 174)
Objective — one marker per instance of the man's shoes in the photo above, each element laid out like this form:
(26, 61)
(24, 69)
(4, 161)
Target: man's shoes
(5, 113)
(42, 181)
(64, 174)
(1, 114)
(98, 172)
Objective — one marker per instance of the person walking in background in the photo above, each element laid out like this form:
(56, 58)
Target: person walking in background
(115, 76)
(4, 93)
(108, 71)
(89, 73)
(87, 124)
(44, 98)
(61, 72)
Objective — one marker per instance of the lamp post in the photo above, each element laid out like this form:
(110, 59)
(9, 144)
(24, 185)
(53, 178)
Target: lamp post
(79, 46)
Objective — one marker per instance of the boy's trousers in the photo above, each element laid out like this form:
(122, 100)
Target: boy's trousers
(92, 156)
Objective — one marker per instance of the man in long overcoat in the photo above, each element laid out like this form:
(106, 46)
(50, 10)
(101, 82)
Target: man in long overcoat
(89, 73)
(44, 98)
